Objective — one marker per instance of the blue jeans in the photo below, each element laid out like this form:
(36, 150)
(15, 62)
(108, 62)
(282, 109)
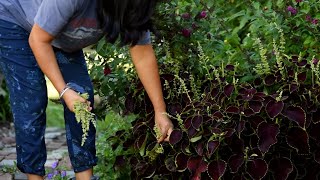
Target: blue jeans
(28, 100)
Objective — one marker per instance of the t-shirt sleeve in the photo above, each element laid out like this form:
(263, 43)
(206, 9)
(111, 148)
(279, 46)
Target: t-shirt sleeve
(53, 15)
(145, 39)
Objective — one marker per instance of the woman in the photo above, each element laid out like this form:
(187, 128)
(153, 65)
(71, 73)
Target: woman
(45, 37)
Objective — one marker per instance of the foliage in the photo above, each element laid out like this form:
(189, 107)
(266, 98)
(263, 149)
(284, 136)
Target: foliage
(5, 113)
(112, 133)
(241, 82)
(84, 116)
(57, 172)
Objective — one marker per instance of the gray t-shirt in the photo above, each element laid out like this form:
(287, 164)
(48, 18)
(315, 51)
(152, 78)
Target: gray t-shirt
(74, 23)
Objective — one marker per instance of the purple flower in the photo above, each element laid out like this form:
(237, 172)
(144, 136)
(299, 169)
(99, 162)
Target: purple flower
(292, 10)
(186, 16)
(314, 21)
(63, 173)
(298, 1)
(50, 176)
(203, 14)
(55, 172)
(308, 18)
(186, 32)
(55, 164)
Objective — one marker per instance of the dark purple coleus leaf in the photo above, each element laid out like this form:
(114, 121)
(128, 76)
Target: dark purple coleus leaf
(228, 89)
(302, 76)
(317, 156)
(140, 141)
(216, 169)
(229, 132)
(174, 109)
(199, 148)
(298, 139)
(281, 168)
(274, 108)
(197, 121)
(175, 136)
(212, 146)
(240, 126)
(314, 132)
(302, 63)
(197, 165)
(215, 92)
(149, 171)
(185, 146)
(257, 82)
(249, 112)
(256, 106)
(192, 132)
(316, 116)
(216, 130)
(290, 72)
(267, 134)
(293, 88)
(257, 98)
(230, 67)
(232, 110)
(217, 115)
(255, 121)
(119, 162)
(296, 114)
(235, 162)
(257, 168)
(182, 162)
(170, 164)
(269, 80)
(187, 123)
(130, 103)
(167, 77)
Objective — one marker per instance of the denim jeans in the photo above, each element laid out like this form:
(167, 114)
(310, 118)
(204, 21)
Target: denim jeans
(28, 100)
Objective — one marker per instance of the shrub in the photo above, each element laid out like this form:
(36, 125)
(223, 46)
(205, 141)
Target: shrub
(241, 84)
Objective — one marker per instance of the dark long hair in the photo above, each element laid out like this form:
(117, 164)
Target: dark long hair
(127, 19)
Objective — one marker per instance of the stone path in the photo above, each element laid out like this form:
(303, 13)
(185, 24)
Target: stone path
(56, 151)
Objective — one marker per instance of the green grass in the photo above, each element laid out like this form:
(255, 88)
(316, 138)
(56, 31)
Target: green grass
(55, 115)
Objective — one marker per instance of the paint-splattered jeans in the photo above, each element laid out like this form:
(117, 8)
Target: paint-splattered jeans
(28, 99)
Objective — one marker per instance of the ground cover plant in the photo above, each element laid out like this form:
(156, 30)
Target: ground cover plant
(241, 82)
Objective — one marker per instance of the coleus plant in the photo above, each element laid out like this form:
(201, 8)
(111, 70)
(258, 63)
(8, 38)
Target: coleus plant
(267, 129)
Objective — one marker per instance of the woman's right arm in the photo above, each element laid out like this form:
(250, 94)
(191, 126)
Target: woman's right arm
(40, 43)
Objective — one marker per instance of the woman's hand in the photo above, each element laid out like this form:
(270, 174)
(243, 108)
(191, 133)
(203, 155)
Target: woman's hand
(165, 126)
(70, 97)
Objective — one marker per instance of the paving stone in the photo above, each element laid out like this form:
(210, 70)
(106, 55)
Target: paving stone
(57, 154)
(49, 163)
(53, 129)
(8, 140)
(4, 153)
(1, 145)
(6, 177)
(53, 135)
(54, 145)
(2, 157)
(7, 162)
(12, 156)
(9, 150)
(20, 176)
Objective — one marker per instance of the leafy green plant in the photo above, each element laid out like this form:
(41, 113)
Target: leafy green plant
(57, 172)
(112, 132)
(5, 112)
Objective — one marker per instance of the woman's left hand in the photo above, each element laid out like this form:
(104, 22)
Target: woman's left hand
(165, 126)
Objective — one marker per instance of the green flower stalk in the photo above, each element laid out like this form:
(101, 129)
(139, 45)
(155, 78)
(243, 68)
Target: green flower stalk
(84, 116)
